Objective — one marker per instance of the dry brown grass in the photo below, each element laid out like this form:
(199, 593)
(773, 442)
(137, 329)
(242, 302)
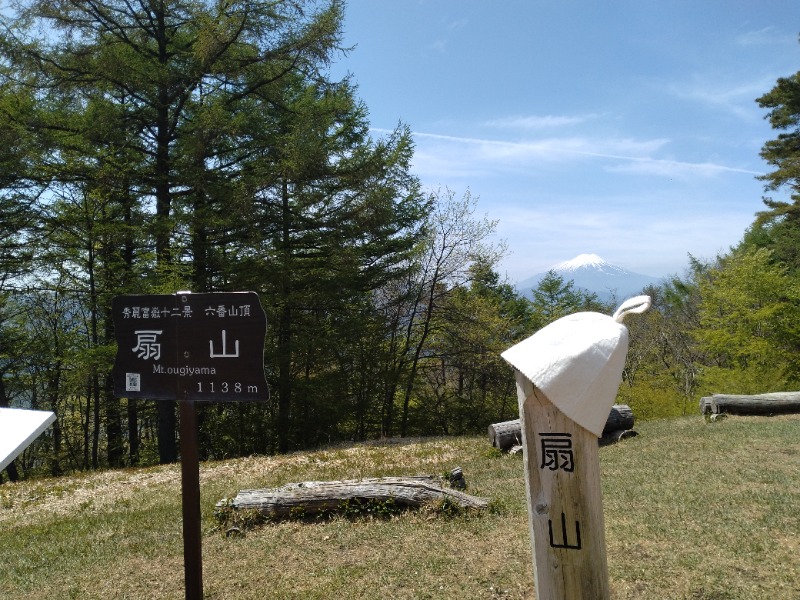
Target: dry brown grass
(693, 511)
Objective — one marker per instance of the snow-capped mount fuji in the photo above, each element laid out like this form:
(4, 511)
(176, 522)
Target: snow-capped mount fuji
(586, 261)
(591, 273)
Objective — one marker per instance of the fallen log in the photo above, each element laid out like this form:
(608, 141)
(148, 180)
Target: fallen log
(612, 437)
(507, 434)
(620, 418)
(315, 497)
(774, 403)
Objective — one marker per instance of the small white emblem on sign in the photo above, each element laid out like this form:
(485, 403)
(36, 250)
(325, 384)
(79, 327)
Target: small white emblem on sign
(133, 382)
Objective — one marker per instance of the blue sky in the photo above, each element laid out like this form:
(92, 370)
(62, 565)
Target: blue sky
(626, 128)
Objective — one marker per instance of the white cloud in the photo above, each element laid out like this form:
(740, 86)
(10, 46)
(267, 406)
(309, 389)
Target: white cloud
(540, 121)
(674, 169)
(439, 45)
(735, 98)
(765, 36)
(444, 156)
(656, 245)
(457, 23)
(552, 148)
(587, 194)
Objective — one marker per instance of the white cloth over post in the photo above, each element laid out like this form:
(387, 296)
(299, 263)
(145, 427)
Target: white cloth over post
(577, 362)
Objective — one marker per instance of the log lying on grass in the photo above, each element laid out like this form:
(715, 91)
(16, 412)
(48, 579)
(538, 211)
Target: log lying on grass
(775, 403)
(314, 497)
(618, 426)
(505, 435)
(612, 437)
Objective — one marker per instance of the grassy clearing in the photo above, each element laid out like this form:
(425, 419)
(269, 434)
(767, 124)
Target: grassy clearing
(693, 511)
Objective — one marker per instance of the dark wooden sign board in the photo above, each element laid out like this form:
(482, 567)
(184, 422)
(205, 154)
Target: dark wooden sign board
(190, 347)
(204, 347)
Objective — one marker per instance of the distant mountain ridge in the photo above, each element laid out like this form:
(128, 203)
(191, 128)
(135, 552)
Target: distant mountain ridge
(591, 273)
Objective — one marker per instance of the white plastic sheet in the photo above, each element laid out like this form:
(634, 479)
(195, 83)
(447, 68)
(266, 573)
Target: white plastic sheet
(18, 428)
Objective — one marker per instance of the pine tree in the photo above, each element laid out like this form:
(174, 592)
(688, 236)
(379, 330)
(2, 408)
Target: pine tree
(145, 106)
(778, 227)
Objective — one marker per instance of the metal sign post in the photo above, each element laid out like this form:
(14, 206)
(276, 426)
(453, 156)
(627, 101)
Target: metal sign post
(190, 347)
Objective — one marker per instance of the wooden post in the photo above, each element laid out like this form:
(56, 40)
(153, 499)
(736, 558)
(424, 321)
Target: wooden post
(568, 375)
(565, 511)
(152, 352)
(190, 495)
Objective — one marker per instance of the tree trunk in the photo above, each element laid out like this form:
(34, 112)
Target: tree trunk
(509, 433)
(115, 446)
(133, 432)
(95, 393)
(285, 327)
(166, 425)
(314, 497)
(417, 353)
(53, 387)
(775, 403)
(11, 468)
(167, 419)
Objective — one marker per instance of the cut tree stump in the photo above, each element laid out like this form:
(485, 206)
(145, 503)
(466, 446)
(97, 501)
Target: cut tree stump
(314, 497)
(508, 434)
(774, 403)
